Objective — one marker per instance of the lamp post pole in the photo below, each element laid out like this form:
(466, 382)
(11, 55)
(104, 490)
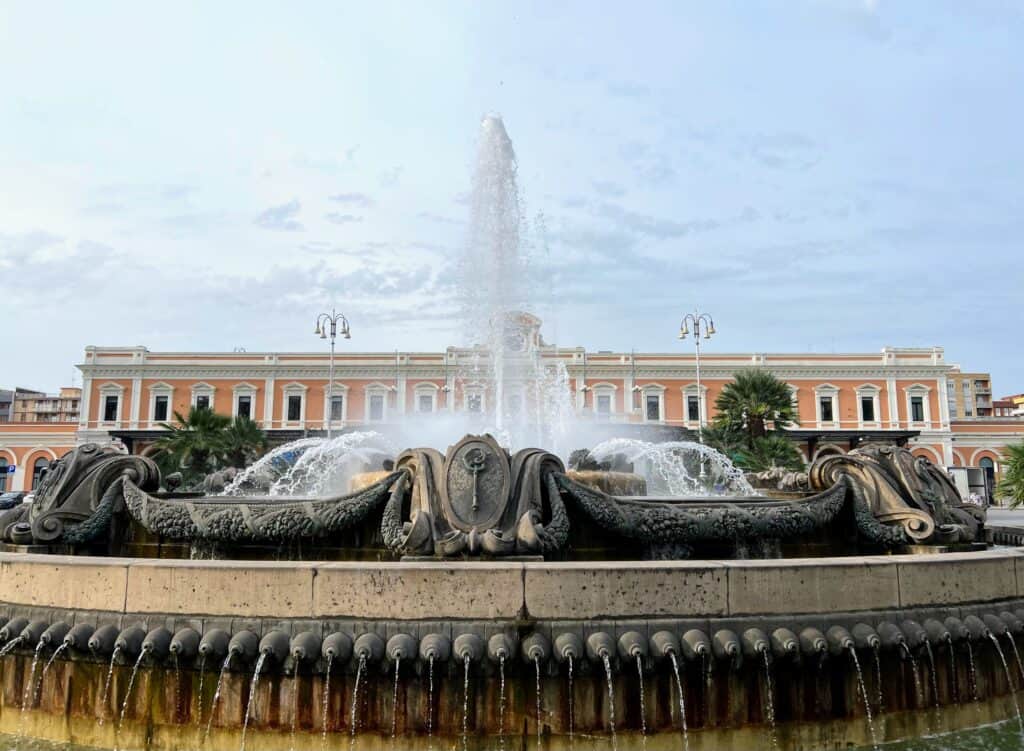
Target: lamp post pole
(701, 323)
(328, 326)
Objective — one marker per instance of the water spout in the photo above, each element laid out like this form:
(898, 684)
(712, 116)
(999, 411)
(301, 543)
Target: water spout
(394, 697)
(216, 692)
(769, 698)
(864, 695)
(252, 694)
(643, 708)
(1009, 681)
(607, 661)
(353, 719)
(131, 684)
(106, 684)
(682, 700)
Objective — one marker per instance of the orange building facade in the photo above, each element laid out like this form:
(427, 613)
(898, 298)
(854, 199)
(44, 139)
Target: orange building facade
(898, 395)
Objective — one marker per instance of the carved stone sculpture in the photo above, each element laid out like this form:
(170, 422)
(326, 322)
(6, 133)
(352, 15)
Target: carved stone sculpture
(475, 500)
(78, 496)
(669, 528)
(254, 519)
(900, 498)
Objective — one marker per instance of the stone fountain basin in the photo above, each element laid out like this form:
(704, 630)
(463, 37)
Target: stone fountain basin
(487, 598)
(396, 591)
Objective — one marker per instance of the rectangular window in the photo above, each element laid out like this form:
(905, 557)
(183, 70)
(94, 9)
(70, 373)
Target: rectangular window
(160, 408)
(604, 405)
(867, 409)
(424, 403)
(294, 408)
(693, 409)
(653, 407)
(245, 407)
(376, 407)
(474, 403)
(202, 401)
(917, 408)
(110, 408)
(826, 409)
(337, 407)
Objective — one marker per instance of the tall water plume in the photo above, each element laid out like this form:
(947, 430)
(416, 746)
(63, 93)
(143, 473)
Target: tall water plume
(527, 401)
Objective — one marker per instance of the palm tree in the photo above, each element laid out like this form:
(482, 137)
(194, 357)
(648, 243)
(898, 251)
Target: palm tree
(1011, 486)
(770, 452)
(195, 442)
(754, 400)
(244, 440)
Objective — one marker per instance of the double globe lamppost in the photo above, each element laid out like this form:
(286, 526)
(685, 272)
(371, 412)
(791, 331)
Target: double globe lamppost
(701, 324)
(330, 326)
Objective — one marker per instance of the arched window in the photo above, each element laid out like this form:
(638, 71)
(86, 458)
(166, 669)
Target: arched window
(3, 474)
(987, 463)
(38, 468)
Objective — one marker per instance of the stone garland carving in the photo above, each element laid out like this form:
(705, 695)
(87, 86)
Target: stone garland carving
(256, 519)
(475, 500)
(77, 497)
(903, 491)
(668, 525)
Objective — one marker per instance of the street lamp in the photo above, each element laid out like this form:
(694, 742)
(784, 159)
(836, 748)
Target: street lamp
(700, 323)
(328, 326)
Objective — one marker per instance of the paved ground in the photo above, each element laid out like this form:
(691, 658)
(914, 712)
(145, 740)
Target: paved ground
(1002, 517)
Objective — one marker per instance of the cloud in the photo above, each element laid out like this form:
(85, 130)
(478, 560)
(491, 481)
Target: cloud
(608, 188)
(18, 246)
(628, 89)
(389, 178)
(359, 200)
(439, 218)
(281, 218)
(336, 217)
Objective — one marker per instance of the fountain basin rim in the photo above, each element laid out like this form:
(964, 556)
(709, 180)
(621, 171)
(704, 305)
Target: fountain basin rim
(511, 590)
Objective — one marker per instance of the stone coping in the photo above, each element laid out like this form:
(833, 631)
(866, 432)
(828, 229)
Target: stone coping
(487, 590)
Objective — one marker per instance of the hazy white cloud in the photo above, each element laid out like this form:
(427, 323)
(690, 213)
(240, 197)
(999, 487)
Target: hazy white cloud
(798, 168)
(281, 218)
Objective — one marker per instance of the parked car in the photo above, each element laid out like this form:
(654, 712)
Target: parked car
(11, 499)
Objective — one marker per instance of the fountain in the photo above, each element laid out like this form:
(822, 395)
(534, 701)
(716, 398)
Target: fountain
(519, 585)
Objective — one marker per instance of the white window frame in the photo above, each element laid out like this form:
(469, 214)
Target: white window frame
(820, 392)
(294, 389)
(160, 389)
(689, 390)
(646, 390)
(204, 389)
(425, 389)
(338, 389)
(377, 389)
(605, 389)
(923, 391)
(105, 390)
(874, 392)
(244, 389)
(469, 391)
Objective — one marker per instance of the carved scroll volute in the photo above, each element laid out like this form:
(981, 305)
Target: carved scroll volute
(477, 483)
(78, 483)
(879, 489)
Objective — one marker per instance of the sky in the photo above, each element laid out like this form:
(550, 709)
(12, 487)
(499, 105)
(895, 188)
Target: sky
(820, 175)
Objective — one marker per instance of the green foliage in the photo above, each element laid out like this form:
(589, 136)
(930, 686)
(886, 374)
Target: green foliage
(1011, 486)
(725, 441)
(754, 402)
(769, 452)
(244, 441)
(202, 441)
